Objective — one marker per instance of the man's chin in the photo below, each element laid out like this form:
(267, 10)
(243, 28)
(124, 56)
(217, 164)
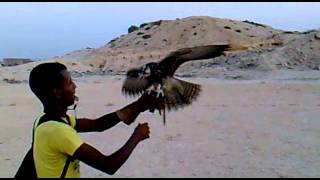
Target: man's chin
(71, 107)
(70, 103)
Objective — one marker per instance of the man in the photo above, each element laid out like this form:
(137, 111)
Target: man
(55, 141)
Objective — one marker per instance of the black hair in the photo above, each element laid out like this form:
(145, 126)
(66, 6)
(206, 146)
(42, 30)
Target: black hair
(44, 78)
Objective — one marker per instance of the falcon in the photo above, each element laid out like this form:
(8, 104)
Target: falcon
(158, 77)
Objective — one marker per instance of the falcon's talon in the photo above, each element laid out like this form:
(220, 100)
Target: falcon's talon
(150, 89)
(159, 92)
(158, 89)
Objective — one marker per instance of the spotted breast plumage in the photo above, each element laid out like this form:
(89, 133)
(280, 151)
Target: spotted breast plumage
(159, 77)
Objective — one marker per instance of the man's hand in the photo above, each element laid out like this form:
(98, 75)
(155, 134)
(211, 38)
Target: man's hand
(111, 163)
(129, 113)
(141, 132)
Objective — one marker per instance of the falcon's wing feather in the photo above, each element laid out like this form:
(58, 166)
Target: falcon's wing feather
(135, 83)
(179, 93)
(176, 58)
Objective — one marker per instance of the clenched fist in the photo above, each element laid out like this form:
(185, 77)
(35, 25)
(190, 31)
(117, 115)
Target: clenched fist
(142, 131)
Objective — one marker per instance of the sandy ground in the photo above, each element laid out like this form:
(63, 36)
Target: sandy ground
(234, 129)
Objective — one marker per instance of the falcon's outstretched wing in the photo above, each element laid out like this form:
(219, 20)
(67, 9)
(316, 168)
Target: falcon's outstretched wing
(172, 62)
(135, 83)
(179, 93)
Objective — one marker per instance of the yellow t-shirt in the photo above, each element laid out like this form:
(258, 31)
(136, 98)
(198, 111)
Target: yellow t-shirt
(52, 142)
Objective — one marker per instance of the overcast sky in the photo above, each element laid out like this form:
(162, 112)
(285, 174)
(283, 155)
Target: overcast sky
(43, 30)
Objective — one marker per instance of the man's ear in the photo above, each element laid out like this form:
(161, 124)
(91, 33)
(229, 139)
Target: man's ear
(57, 93)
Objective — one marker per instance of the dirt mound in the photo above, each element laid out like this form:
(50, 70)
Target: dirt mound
(267, 48)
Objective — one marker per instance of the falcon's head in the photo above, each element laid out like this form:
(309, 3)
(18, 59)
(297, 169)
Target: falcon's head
(152, 69)
(143, 72)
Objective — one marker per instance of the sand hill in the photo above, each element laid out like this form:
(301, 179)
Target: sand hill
(268, 48)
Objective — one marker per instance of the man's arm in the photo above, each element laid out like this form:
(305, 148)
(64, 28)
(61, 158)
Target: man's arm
(127, 114)
(104, 122)
(110, 164)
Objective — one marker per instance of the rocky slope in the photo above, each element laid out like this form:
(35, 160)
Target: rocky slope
(268, 48)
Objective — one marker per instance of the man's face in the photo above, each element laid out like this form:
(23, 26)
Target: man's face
(68, 89)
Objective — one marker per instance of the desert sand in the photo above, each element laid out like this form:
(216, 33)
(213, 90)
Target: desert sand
(236, 128)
